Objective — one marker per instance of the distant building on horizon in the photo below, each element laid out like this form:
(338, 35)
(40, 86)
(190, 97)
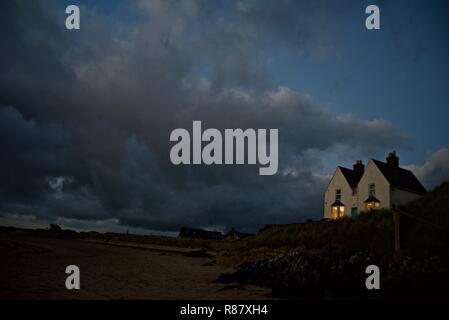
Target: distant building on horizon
(200, 234)
(195, 233)
(235, 235)
(381, 186)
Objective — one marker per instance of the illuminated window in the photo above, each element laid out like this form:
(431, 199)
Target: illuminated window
(341, 212)
(334, 213)
(372, 205)
(337, 211)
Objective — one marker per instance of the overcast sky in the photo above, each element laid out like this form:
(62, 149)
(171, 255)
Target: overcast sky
(86, 115)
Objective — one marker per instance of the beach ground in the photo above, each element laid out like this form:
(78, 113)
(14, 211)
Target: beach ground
(33, 267)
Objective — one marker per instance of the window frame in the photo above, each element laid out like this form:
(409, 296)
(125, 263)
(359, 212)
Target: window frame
(337, 194)
(372, 189)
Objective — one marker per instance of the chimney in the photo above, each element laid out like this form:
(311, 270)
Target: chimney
(359, 168)
(393, 160)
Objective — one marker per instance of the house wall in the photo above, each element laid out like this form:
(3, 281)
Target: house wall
(400, 197)
(373, 175)
(338, 181)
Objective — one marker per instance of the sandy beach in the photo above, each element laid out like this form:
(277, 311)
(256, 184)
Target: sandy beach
(34, 268)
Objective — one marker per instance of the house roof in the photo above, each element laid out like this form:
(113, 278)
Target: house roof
(337, 203)
(400, 178)
(371, 199)
(350, 176)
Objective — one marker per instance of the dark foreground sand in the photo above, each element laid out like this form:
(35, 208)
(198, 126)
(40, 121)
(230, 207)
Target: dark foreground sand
(34, 268)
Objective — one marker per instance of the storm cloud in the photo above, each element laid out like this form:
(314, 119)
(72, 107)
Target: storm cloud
(85, 116)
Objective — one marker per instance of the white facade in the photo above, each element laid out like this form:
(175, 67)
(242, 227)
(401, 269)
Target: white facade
(339, 182)
(372, 175)
(400, 197)
(373, 190)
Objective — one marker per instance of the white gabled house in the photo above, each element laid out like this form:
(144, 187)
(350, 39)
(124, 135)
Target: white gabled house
(381, 186)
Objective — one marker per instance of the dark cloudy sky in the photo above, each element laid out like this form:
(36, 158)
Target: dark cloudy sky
(85, 116)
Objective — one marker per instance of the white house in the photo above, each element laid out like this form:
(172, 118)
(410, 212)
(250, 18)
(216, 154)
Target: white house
(381, 185)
